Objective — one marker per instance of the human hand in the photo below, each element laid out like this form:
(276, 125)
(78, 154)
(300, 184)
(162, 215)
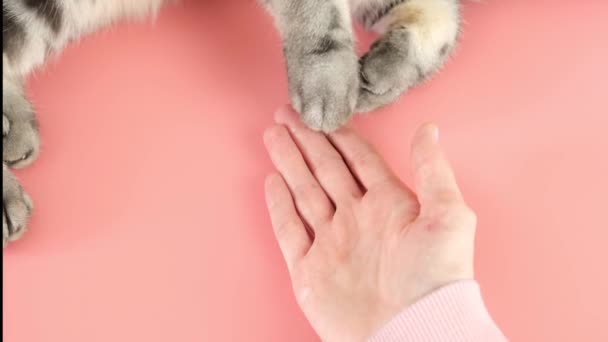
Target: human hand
(360, 246)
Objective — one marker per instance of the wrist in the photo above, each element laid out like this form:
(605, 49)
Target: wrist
(455, 312)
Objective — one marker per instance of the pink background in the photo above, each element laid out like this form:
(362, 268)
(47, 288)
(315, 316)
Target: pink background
(150, 223)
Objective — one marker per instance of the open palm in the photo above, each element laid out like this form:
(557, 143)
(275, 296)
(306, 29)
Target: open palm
(360, 246)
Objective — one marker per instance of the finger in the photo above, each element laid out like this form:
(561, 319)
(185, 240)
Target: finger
(433, 175)
(289, 229)
(311, 201)
(362, 159)
(324, 161)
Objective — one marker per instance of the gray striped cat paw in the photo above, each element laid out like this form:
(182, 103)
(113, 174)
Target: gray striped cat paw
(16, 208)
(20, 139)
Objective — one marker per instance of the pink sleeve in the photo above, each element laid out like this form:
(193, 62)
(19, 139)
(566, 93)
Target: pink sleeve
(454, 313)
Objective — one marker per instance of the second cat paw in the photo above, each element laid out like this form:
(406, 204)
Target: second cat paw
(387, 70)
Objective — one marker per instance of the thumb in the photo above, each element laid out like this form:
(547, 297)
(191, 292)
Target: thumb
(433, 176)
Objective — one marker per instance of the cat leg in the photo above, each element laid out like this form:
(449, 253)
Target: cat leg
(322, 67)
(31, 30)
(21, 49)
(20, 146)
(418, 36)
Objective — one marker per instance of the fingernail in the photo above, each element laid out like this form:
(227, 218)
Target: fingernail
(286, 117)
(435, 134)
(285, 109)
(277, 113)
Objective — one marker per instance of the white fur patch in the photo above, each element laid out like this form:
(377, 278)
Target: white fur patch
(436, 25)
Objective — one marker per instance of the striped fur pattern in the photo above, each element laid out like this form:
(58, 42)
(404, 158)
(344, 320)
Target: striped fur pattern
(327, 81)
